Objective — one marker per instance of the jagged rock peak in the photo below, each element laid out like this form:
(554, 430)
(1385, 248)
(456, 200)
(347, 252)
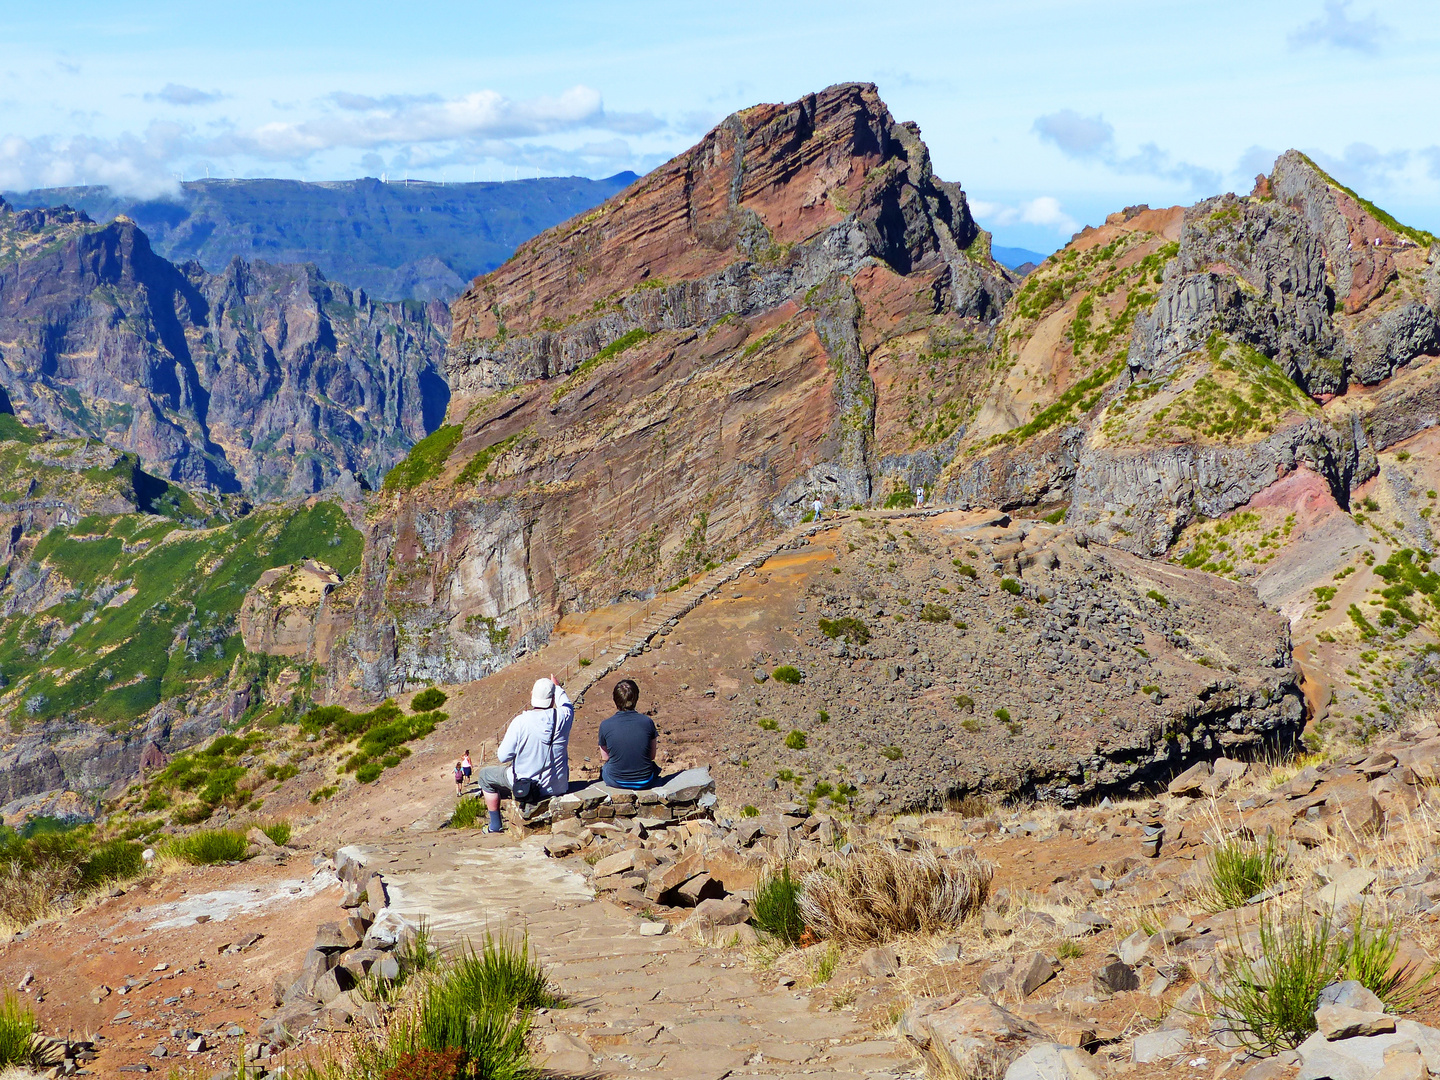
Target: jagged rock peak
(795, 192)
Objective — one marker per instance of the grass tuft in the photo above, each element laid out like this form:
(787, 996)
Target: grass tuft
(1268, 1002)
(207, 847)
(878, 893)
(277, 831)
(776, 907)
(1239, 869)
(17, 1024)
(467, 813)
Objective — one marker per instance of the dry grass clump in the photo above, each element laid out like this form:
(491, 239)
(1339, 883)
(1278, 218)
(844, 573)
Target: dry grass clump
(879, 892)
(29, 893)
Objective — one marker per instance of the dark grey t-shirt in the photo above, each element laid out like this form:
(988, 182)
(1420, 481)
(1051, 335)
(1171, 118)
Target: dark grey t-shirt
(626, 738)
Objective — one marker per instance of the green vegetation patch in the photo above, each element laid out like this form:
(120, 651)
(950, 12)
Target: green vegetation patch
(1077, 400)
(1220, 548)
(477, 466)
(788, 674)
(621, 344)
(426, 459)
(152, 607)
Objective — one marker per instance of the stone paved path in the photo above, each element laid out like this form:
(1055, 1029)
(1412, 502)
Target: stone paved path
(663, 1007)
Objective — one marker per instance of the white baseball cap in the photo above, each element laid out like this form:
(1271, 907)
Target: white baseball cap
(542, 693)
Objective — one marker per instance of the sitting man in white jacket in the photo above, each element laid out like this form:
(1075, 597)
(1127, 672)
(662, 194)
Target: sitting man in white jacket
(536, 748)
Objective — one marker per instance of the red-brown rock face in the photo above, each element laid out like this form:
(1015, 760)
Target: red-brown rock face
(648, 387)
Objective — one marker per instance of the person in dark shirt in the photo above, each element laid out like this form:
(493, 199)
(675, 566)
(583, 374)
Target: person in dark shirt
(627, 742)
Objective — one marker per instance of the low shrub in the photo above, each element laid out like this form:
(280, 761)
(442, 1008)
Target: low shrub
(788, 674)
(278, 831)
(428, 700)
(1003, 715)
(776, 907)
(892, 753)
(853, 630)
(428, 1065)
(902, 499)
(1010, 585)
(17, 1024)
(1239, 868)
(749, 810)
(877, 893)
(935, 613)
(965, 570)
(207, 847)
(319, 795)
(796, 740)
(768, 723)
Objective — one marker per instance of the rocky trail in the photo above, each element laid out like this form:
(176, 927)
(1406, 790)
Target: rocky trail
(641, 1003)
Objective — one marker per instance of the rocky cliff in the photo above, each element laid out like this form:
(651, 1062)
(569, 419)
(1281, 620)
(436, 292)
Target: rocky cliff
(263, 379)
(647, 388)
(1170, 365)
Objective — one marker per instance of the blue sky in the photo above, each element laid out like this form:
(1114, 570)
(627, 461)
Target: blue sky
(1051, 113)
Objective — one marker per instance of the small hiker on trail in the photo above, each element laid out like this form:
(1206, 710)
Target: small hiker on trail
(920, 496)
(819, 506)
(534, 754)
(459, 780)
(466, 765)
(627, 742)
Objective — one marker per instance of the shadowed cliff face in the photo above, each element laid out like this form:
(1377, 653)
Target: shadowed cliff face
(656, 383)
(266, 379)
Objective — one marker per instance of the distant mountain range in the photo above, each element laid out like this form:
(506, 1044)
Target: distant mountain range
(1012, 258)
(397, 241)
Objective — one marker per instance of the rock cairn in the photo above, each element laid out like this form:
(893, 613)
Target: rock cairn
(369, 940)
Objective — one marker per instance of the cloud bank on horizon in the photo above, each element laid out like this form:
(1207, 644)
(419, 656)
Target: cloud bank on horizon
(1050, 112)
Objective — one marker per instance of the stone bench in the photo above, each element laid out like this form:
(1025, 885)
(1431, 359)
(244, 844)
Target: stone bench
(683, 797)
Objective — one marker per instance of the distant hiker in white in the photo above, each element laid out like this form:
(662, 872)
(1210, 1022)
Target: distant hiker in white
(535, 753)
(920, 496)
(819, 506)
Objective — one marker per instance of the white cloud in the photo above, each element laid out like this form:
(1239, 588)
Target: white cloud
(365, 123)
(177, 94)
(133, 164)
(1432, 155)
(1092, 138)
(1076, 135)
(1335, 27)
(1044, 211)
(393, 133)
(1364, 166)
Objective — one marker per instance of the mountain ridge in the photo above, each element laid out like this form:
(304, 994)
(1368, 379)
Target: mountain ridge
(412, 240)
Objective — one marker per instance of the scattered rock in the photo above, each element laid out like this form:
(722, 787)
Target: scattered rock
(1343, 1022)
(880, 962)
